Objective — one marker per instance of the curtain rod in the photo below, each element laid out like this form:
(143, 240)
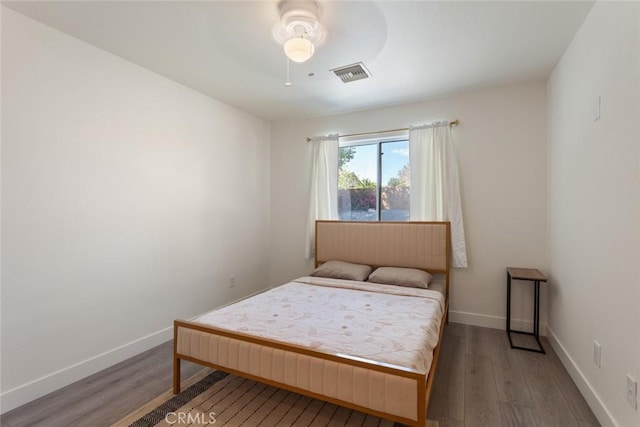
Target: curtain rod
(452, 123)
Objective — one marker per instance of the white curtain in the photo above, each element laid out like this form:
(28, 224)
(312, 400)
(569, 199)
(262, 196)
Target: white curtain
(435, 187)
(323, 189)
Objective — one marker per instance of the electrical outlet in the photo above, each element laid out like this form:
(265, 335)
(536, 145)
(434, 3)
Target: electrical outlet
(632, 392)
(232, 281)
(597, 354)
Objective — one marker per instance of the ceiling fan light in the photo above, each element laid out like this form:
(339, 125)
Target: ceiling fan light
(299, 49)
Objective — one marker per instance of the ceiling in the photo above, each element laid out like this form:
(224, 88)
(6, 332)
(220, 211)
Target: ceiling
(413, 49)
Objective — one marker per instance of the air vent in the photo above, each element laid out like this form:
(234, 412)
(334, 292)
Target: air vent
(351, 73)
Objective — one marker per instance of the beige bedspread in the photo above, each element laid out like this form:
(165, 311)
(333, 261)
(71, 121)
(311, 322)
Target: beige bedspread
(383, 323)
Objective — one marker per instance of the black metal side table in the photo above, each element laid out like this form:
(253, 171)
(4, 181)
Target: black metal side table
(532, 275)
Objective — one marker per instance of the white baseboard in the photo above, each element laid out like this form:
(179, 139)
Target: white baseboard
(493, 322)
(32, 390)
(595, 403)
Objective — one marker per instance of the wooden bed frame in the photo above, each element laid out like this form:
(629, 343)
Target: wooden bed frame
(424, 245)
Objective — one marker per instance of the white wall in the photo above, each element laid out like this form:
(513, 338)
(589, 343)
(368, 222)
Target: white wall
(501, 144)
(594, 215)
(127, 201)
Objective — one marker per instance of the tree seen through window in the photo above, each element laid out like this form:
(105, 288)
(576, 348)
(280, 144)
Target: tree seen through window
(373, 181)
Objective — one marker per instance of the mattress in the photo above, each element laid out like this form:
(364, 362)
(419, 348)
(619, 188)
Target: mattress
(383, 323)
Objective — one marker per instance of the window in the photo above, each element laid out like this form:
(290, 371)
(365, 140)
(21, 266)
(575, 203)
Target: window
(373, 178)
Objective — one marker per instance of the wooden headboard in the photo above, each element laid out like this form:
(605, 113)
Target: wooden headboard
(424, 245)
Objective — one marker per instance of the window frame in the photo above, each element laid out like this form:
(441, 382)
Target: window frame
(378, 139)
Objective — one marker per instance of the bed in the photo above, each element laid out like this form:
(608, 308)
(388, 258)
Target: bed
(395, 385)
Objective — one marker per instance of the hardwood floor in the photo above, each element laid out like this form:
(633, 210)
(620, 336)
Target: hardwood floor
(105, 397)
(480, 382)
